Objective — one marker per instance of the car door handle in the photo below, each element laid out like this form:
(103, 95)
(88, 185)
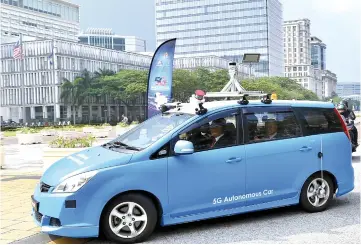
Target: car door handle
(306, 148)
(233, 159)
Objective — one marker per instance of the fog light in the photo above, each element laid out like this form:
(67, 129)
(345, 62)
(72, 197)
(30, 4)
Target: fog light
(55, 222)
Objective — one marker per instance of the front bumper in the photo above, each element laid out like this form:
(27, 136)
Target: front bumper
(56, 218)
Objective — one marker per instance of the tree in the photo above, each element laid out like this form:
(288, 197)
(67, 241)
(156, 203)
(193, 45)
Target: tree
(99, 77)
(85, 83)
(69, 92)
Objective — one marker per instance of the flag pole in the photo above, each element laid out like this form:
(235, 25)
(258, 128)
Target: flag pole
(22, 78)
(53, 72)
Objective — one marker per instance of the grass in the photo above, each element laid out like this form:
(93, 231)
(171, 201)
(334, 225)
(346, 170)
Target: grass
(9, 133)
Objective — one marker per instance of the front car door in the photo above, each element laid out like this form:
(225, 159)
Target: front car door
(212, 178)
(278, 157)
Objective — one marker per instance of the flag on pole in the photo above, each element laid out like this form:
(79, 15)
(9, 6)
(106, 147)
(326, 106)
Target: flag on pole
(50, 57)
(18, 52)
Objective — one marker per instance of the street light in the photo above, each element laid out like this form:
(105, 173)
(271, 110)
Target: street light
(251, 58)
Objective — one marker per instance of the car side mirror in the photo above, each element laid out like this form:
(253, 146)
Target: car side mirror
(183, 147)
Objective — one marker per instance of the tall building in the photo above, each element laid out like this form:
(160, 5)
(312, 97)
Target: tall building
(43, 77)
(318, 53)
(226, 28)
(297, 55)
(38, 19)
(346, 89)
(105, 38)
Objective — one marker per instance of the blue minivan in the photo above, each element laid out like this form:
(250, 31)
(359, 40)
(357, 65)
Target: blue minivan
(196, 162)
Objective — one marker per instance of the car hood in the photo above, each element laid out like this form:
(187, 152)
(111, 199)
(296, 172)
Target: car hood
(83, 161)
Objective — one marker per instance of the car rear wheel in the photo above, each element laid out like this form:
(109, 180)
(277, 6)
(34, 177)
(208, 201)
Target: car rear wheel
(129, 219)
(317, 192)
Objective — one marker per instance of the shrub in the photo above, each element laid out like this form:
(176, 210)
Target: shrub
(77, 142)
(135, 122)
(121, 124)
(28, 130)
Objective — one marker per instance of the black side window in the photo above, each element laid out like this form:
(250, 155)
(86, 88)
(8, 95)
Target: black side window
(265, 125)
(164, 151)
(212, 133)
(319, 120)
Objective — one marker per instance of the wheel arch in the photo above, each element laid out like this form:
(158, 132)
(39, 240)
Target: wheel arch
(332, 176)
(148, 194)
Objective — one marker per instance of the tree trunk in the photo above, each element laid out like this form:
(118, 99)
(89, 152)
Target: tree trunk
(74, 114)
(89, 110)
(105, 108)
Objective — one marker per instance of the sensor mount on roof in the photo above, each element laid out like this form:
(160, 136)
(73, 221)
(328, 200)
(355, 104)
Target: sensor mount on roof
(244, 100)
(201, 110)
(266, 99)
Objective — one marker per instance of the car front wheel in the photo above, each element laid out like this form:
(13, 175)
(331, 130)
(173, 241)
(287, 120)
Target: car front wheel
(129, 219)
(317, 193)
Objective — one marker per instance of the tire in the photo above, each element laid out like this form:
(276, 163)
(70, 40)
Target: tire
(143, 206)
(309, 204)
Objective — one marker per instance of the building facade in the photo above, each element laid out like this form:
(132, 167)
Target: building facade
(347, 89)
(43, 77)
(38, 19)
(227, 29)
(318, 53)
(329, 80)
(105, 38)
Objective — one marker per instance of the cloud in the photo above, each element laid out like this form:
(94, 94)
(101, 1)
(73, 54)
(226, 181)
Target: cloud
(336, 6)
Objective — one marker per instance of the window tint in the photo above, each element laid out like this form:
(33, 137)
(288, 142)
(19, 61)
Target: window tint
(319, 120)
(217, 133)
(264, 125)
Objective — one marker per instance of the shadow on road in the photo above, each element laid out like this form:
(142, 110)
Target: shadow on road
(273, 222)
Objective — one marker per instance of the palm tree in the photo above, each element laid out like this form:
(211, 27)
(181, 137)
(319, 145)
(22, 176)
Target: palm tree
(85, 82)
(99, 76)
(69, 94)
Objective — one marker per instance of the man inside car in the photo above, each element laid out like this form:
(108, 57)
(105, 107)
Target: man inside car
(219, 138)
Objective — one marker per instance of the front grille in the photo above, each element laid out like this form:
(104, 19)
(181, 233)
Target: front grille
(44, 187)
(38, 216)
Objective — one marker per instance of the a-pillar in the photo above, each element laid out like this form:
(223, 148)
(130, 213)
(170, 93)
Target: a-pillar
(45, 113)
(32, 113)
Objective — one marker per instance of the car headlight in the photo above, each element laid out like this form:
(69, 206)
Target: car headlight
(74, 183)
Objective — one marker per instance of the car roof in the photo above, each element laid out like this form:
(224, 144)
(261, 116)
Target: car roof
(227, 104)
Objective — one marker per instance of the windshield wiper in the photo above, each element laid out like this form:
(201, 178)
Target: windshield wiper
(118, 144)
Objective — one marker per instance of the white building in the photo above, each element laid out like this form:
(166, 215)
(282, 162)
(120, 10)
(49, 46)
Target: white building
(329, 80)
(226, 28)
(106, 38)
(38, 19)
(297, 55)
(43, 80)
(347, 89)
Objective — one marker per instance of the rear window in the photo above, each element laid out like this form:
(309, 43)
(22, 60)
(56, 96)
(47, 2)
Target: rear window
(319, 120)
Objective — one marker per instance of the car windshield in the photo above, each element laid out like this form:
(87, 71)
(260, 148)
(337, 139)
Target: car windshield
(151, 130)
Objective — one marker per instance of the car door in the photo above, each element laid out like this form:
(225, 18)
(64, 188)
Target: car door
(278, 158)
(210, 179)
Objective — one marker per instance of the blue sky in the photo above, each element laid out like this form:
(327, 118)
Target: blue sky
(335, 22)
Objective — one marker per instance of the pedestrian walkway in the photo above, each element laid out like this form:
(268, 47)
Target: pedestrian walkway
(16, 189)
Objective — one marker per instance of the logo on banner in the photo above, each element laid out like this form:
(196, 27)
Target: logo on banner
(166, 55)
(160, 63)
(160, 81)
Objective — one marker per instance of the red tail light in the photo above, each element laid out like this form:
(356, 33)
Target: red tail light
(344, 126)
